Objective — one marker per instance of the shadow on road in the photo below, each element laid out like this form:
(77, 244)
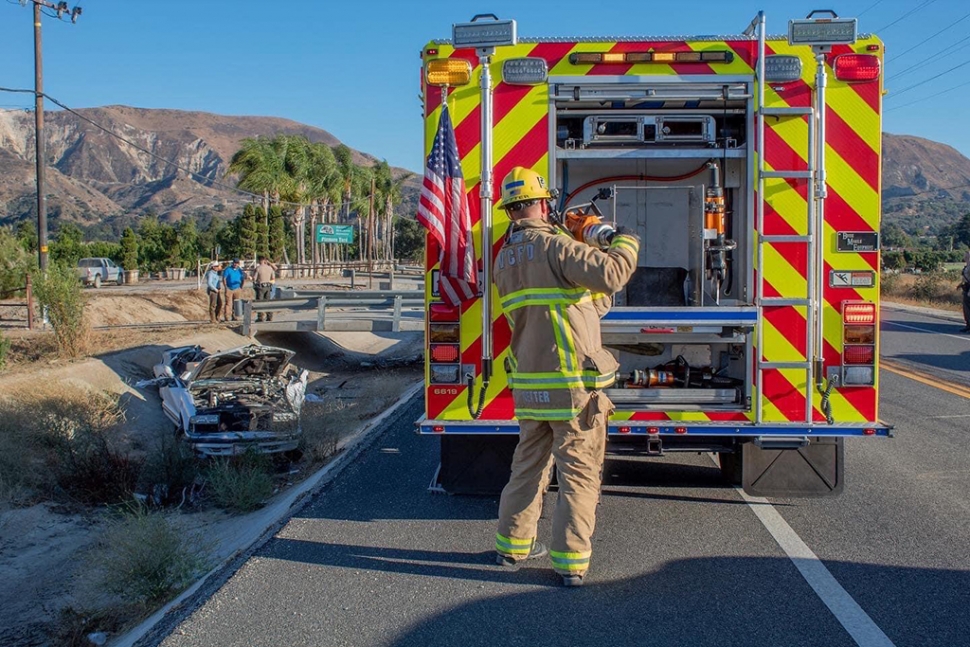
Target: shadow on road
(723, 601)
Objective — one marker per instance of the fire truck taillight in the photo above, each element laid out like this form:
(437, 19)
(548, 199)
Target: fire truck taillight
(448, 71)
(856, 67)
(594, 58)
(439, 312)
(444, 333)
(859, 343)
(445, 353)
(858, 312)
(445, 373)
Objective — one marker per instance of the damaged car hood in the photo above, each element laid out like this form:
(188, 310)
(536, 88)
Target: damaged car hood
(253, 361)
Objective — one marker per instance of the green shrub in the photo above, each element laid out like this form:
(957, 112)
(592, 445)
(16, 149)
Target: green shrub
(146, 557)
(60, 293)
(169, 472)
(4, 348)
(54, 442)
(932, 287)
(241, 483)
(889, 283)
(85, 465)
(15, 263)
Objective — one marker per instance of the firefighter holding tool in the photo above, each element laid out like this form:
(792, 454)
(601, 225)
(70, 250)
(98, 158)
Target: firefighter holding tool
(554, 289)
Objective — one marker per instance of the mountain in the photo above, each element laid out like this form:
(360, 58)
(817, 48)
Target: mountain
(93, 176)
(926, 184)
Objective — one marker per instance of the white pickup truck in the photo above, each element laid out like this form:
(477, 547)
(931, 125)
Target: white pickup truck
(95, 271)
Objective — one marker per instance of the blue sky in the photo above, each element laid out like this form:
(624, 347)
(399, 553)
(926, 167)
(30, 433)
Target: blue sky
(352, 68)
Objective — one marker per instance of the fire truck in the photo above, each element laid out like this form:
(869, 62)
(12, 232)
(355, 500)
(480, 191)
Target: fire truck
(749, 165)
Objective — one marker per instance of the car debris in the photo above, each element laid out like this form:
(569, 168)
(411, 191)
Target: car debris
(225, 403)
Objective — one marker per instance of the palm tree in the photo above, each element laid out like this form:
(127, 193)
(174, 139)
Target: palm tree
(261, 169)
(388, 195)
(323, 187)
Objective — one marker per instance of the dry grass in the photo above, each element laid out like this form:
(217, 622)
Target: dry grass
(932, 289)
(55, 443)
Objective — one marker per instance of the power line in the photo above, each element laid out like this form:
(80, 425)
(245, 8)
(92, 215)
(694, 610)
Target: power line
(952, 24)
(908, 13)
(159, 158)
(932, 58)
(926, 98)
(872, 6)
(916, 85)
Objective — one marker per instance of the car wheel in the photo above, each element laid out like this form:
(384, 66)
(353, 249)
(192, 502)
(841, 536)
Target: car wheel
(97, 281)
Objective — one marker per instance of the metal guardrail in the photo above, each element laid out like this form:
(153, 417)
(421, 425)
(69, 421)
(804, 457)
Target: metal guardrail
(346, 307)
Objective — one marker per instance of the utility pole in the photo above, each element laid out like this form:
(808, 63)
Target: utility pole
(61, 9)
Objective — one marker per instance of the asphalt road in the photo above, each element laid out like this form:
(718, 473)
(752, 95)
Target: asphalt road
(679, 557)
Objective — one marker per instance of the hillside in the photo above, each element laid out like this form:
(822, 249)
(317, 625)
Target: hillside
(93, 176)
(926, 184)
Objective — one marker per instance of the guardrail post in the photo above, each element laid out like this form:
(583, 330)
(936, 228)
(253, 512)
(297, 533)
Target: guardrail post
(321, 312)
(396, 325)
(30, 304)
(247, 317)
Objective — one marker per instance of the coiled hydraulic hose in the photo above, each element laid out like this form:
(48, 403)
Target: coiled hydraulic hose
(826, 405)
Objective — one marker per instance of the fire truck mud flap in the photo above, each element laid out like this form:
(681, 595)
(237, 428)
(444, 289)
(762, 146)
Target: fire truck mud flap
(793, 467)
(475, 464)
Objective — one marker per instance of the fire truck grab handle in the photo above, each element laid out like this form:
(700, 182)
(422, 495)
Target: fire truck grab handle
(828, 11)
(493, 16)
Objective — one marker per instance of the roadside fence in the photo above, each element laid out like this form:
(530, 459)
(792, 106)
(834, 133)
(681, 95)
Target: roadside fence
(27, 304)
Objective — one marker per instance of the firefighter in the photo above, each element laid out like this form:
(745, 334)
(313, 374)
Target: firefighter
(553, 290)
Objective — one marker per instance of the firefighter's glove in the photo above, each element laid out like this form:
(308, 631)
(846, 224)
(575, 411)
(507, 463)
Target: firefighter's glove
(625, 231)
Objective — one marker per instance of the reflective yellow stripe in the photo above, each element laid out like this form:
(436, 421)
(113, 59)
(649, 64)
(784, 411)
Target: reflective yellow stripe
(626, 242)
(511, 546)
(569, 561)
(547, 414)
(588, 378)
(544, 297)
(564, 339)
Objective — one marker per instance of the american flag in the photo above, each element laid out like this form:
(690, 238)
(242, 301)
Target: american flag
(443, 209)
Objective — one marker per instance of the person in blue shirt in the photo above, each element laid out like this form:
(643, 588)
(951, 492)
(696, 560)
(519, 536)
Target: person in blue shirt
(233, 278)
(214, 289)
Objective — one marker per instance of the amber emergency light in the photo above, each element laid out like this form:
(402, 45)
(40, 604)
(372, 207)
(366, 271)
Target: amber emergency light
(448, 72)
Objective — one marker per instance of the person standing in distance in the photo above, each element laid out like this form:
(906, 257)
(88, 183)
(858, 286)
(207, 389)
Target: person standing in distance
(213, 288)
(554, 289)
(965, 286)
(233, 278)
(264, 278)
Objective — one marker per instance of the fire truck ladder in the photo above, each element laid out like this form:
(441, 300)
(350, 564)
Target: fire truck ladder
(809, 239)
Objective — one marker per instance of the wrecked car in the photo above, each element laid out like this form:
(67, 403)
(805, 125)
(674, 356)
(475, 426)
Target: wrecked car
(227, 402)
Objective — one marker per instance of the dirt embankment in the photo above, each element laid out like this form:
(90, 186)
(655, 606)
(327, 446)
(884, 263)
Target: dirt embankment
(44, 547)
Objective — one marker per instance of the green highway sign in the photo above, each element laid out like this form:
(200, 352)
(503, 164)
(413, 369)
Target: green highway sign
(335, 233)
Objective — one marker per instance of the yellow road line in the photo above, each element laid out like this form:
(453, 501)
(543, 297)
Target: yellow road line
(925, 378)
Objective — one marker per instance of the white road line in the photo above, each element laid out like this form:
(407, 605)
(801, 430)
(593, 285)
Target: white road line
(847, 611)
(945, 334)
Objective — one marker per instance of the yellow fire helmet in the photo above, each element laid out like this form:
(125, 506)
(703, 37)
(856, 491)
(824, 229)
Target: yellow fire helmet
(522, 184)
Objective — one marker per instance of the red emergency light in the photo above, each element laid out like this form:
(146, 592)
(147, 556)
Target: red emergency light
(856, 67)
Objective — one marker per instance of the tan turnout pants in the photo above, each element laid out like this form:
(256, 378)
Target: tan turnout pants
(577, 448)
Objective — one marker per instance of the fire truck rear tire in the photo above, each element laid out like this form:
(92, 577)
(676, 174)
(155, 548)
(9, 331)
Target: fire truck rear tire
(730, 463)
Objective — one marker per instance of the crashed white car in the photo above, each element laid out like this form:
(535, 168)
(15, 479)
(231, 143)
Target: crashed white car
(227, 402)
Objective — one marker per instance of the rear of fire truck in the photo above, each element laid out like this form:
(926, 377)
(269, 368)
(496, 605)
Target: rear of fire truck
(749, 166)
